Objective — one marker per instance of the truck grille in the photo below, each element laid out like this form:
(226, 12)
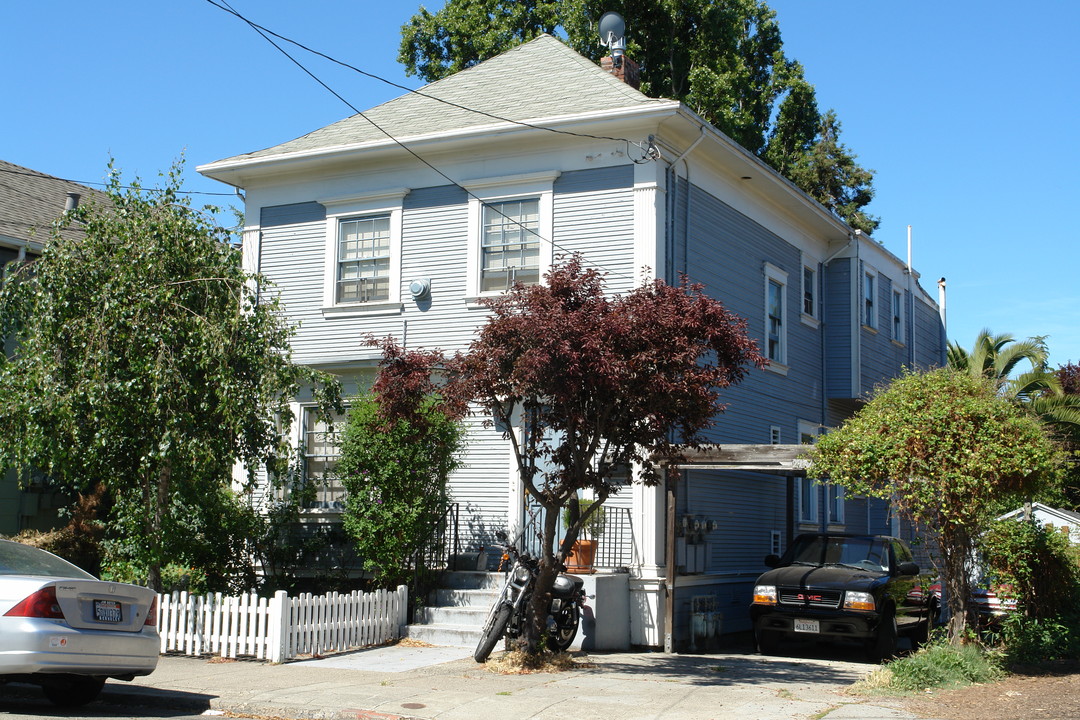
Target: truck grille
(810, 598)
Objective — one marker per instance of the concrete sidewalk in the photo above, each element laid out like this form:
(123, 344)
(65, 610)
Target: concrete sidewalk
(437, 682)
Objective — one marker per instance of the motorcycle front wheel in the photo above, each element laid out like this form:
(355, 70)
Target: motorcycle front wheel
(492, 632)
(562, 637)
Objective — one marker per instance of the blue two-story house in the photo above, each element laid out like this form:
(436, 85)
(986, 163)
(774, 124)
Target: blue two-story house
(399, 220)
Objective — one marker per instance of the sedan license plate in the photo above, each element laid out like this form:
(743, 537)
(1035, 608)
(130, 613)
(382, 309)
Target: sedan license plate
(807, 626)
(108, 611)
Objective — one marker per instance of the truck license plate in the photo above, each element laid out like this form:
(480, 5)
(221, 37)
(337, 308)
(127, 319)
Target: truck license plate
(107, 611)
(807, 626)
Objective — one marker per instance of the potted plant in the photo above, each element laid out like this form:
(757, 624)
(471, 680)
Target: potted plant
(582, 555)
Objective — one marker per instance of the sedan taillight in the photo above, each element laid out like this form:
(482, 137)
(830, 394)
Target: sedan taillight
(151, 614)
(41, 604)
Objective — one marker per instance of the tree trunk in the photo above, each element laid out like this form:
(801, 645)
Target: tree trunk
(956, 550)
(545, 581)
(155, 522)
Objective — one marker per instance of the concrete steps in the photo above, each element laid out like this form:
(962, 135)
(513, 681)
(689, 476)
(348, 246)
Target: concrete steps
(457, 609)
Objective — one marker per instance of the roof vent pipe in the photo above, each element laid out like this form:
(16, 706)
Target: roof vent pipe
(72, 201)
(941, 304)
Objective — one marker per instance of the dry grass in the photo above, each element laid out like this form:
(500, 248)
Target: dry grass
(518, 662)
(411, 642)
(876, 682)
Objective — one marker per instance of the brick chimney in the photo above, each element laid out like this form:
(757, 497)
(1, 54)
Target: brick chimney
(623, 68)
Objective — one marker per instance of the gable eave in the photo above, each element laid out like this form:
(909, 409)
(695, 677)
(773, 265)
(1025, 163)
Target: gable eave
(239, 171)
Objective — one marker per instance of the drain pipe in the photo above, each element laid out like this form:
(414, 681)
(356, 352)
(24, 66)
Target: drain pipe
(911, 303)
(673, 193)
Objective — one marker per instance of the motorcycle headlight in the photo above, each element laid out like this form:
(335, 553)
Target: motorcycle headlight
(522, 574)
(764, 594)
(858, 600)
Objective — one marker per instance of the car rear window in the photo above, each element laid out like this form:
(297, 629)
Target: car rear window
(19, 559)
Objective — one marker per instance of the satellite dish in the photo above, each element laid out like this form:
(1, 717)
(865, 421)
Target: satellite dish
(613, 32)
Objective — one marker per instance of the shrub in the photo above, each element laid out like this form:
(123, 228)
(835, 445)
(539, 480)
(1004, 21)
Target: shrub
(936, 665)
(1034, 564)
(395, 472)
(1033, 641)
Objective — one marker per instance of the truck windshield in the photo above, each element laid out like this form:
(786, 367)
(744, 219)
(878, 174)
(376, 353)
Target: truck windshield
(857, 552)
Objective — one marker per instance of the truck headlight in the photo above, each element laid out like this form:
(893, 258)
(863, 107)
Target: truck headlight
(764, 594)
(858, 601)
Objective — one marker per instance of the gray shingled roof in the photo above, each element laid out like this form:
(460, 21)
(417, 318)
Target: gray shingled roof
(542, 78)
(30, 201)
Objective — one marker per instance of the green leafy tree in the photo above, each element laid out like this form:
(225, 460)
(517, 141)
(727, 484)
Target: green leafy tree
(593, 382)
(948, 451)
(1021, 373)
(147, 360)
(399, 448)
(723, 58)
(1033, 564)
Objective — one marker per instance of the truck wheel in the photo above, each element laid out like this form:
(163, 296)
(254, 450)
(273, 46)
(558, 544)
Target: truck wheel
(768, 642)
(882, 646)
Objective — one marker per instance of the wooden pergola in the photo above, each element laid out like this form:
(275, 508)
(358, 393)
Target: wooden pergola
(783, 460)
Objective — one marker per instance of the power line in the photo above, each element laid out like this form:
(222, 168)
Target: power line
(121, 187)
(265, 34)
(646, 151)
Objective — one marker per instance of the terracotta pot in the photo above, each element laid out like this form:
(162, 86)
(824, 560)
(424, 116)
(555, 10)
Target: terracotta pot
(582, 557)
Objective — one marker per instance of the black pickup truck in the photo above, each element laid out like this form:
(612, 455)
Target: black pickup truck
(832, 586)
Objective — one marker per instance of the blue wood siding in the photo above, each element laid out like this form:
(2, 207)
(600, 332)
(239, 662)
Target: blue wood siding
(838, 347)
(727, 251)
(294, 213)
(618, 177)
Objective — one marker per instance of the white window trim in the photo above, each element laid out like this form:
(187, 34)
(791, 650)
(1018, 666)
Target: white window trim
(801, 483)
(812, 318)
(498, 189)
(779, 276)
(871, 323)
(840, 496)
(899, 336)
(386, 202)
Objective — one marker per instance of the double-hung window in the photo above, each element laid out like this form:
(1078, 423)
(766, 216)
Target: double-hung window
(511, 226)
(363, 254)
(776, 317)
(869, 300)
(510, 244)
(809, 303)
(363, 260)
(320, 445)
(898, 316)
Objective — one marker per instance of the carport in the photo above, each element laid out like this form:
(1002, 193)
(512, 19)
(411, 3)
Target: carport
(782, 460)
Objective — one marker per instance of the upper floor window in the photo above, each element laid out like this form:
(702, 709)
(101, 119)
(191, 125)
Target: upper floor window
(363, 253)
(511, 220)
(363, 260)
(898, 316)
(776, 317)
(808, 303)
(869, 296)
(510, 244)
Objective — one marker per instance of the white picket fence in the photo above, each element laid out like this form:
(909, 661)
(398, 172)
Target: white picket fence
(281, 627)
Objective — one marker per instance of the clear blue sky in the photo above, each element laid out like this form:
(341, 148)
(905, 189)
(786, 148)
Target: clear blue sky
(967, 110)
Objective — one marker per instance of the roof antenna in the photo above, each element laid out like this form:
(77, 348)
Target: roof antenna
(613, 33)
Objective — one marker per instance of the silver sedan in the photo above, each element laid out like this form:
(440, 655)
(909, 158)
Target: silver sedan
(65, 630)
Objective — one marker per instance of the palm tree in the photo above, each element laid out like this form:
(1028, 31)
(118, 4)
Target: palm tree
(1037, 387)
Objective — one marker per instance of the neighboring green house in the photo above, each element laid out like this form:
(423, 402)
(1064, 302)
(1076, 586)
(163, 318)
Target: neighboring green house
(30, 202)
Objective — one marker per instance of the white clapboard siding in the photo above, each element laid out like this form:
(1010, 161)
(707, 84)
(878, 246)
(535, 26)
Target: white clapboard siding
(281, 627)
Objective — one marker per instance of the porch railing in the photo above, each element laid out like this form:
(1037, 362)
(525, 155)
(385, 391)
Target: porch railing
(615, 545)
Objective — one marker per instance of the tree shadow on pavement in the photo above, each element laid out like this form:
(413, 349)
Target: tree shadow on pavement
(116, 700)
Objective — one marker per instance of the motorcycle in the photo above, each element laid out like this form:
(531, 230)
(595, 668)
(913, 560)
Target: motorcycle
(510, 613)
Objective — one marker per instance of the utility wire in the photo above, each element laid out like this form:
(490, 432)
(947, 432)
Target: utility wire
(647, 152)
(266, 36)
